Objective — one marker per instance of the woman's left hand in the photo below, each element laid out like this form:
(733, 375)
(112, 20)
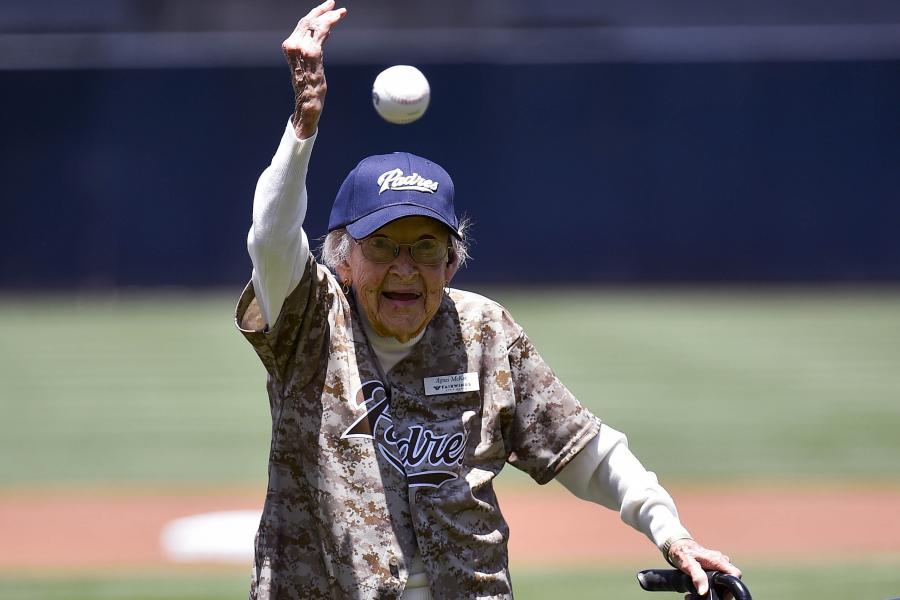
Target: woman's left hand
(694, 559)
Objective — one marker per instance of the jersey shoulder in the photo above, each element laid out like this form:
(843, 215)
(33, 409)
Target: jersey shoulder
(484, 314)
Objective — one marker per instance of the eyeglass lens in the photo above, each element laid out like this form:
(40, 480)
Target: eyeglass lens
(384, 249)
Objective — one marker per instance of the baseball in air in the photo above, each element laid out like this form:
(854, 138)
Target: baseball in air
(401, 94)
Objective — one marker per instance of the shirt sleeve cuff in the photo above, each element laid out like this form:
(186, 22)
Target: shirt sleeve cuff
(292, 148)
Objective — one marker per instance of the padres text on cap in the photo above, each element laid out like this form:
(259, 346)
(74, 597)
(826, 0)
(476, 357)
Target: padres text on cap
(386, 187)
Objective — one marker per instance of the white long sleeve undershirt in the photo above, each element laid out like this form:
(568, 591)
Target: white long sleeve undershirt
(605, 471)
(277, 244)
(608, 473)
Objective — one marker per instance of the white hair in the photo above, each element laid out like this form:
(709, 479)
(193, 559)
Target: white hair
(336, 248)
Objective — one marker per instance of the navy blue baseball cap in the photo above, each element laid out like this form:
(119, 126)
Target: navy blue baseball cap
(387, 187)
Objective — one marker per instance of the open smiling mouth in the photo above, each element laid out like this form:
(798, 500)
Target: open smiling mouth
(402, 296)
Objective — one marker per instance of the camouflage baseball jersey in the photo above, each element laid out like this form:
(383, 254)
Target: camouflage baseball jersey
(366, 466)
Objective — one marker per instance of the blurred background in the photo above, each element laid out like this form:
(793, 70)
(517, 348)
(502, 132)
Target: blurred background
(693, 209)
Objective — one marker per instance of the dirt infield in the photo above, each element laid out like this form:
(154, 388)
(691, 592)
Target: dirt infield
(95, 529)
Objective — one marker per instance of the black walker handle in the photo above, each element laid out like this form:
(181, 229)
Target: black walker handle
(665, 580)
(673, 580)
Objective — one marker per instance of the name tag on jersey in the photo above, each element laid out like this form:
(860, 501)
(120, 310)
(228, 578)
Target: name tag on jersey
(451, 384)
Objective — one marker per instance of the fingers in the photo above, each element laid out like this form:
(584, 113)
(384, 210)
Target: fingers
(333, 16)
(327, 23)
(322, 8)
(695, 560)
(316, 25)
(304, 52)
(316, 13)
(731, 570)
(319, 28)
(697, 574)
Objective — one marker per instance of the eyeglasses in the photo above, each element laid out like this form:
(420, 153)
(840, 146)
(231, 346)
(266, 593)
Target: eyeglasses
(382, 249)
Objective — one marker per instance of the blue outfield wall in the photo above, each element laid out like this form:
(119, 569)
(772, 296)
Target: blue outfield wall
(583, 173)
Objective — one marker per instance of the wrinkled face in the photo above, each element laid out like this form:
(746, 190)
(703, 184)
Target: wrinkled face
(400, 297)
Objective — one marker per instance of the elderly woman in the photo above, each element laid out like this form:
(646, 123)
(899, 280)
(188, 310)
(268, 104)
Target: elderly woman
(396, 400)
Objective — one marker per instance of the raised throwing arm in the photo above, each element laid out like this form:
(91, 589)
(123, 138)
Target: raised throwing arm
(277, 244)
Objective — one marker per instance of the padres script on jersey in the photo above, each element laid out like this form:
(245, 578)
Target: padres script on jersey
(364, 466)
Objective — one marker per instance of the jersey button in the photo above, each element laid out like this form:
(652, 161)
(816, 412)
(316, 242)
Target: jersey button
(395, 566)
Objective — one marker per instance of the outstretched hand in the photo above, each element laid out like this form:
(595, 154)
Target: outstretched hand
(694, 559)
(303, 50)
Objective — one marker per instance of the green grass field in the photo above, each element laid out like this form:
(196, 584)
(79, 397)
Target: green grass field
(768, 384)
(725, 385)
(836, 582)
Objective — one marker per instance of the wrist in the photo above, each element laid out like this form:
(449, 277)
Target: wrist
(303, 128)
(666, 547)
